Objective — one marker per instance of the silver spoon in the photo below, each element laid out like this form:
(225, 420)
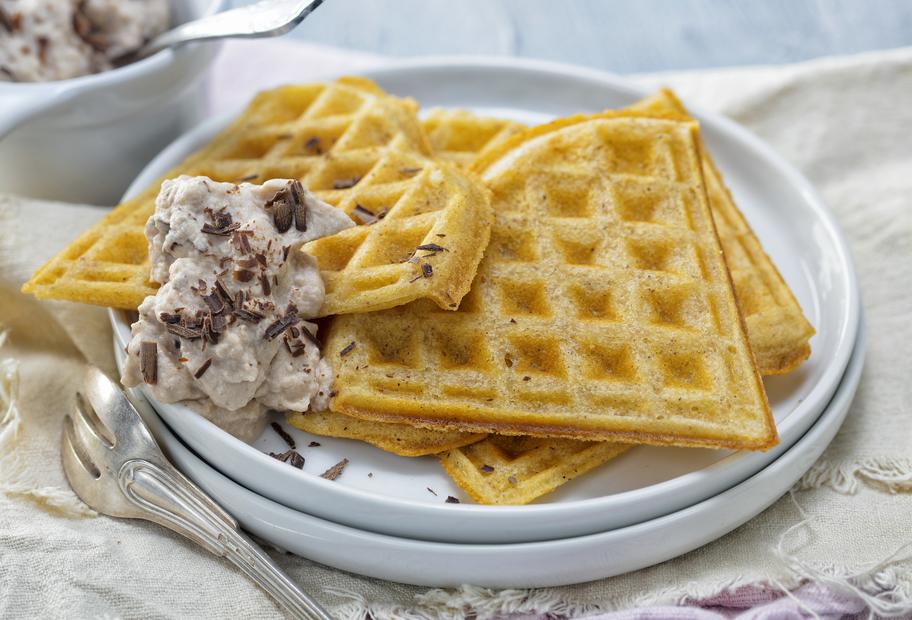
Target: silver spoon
(115, 466)
(267, 18)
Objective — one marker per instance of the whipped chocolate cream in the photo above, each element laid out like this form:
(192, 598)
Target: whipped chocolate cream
(45, 40)
(226, 333)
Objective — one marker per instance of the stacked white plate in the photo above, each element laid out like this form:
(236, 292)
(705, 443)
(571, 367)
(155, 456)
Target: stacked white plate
(386, 516)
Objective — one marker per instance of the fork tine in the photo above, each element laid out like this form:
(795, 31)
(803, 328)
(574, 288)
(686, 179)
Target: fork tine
(114, 412)
(89, 418)
(89, 447)
(80, 471)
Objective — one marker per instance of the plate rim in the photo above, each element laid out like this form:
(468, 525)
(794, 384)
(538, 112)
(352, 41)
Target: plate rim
(809, 195)
(261, 524)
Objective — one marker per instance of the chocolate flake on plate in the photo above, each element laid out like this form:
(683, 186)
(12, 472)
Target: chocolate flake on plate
(281, 432)
(313, 444)
(452, 500)
(431, 491)
(148, 361)
(335, 471)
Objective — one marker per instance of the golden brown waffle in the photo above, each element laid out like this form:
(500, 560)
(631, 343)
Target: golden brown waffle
(459, 136)
(517, 470)
(351, 145)
(401, 439)
(776, 327)
(602, 309)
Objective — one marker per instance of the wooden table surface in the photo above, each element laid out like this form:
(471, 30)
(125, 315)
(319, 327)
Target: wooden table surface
(624, 36)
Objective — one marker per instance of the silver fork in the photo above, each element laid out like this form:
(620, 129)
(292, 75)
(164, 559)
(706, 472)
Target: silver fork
(115, 466)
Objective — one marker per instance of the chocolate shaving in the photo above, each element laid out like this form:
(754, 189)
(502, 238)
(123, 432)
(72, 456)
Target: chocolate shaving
(264, 284)
(148, 361)
(210, 334)
(84, 29)
(248, 315)
(223, 225)
(202, 369)
(486, 469)
(310, 336)
(452, 500)
(218, 323)
(282, 215)
(431, 491)
(432, 247)
(183, 331)
(313, 144)
(285, 250)
(426, 270)
(281, 325)
(243, 275)
(223, 293)
(335, 471)
(43, 44)
(346, 183)
(365, 216)
(313, 444)
(249, 177)
(214, 301)
(348, 349)
(299, 204)
(281, 432)
(166, 317)
(292, 457)
(296, 460)
(241, 242)
(248, 263)
(511, 479)
(11, 23)
(261, 259)
(410, 170)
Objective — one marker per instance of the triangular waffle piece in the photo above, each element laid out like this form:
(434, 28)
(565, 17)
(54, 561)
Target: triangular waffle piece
(351, 145)
(602, 309)
(459, 136)
(776, 327)
(517, 470)
(401, 439)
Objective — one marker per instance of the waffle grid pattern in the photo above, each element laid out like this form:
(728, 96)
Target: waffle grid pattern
(349, 144)
(602, 309)
(517, 470)
(459, 137)
(776, 326)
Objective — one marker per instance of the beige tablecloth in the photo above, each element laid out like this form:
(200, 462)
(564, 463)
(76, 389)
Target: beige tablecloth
(846, 123)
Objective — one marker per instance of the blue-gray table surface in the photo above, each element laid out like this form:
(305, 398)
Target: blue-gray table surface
(624, 36)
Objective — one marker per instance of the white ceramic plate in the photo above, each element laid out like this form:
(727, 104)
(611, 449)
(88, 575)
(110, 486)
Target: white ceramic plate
(536, 564)
(795, 227)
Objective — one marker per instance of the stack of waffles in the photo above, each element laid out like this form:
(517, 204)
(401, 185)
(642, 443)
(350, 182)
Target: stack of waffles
(524, 303)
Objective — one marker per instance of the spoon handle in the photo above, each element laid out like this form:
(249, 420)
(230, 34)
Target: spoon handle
(267, 18)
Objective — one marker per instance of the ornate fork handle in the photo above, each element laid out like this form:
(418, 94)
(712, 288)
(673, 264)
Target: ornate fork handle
(165, 496)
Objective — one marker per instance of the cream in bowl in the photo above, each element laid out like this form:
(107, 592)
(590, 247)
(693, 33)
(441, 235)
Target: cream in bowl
(73, 126)
(47, 40)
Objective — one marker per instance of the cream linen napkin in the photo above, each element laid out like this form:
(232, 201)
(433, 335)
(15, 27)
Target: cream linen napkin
(844, 122)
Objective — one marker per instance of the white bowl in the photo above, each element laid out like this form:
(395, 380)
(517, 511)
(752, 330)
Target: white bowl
(81, 140)
(795, 227)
